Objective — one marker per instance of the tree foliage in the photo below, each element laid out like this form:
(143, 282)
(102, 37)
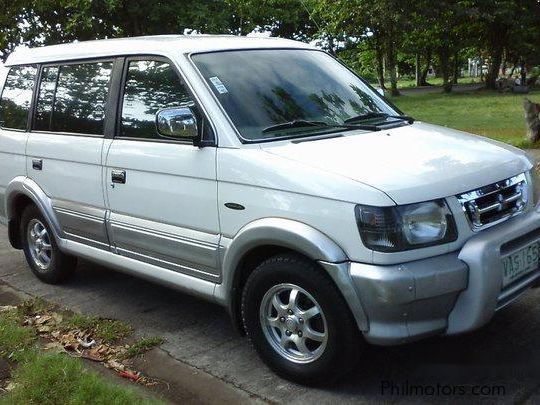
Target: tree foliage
(379, 37)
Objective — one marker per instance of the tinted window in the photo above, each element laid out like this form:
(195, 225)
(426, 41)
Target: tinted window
(73, 98)
(44, 108)
(264, 88)
(150, 87)
(17, 96)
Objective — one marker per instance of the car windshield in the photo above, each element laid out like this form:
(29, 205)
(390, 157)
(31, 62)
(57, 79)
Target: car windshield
(276, 93)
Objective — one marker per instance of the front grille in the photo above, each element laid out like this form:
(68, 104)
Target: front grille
(496, 202)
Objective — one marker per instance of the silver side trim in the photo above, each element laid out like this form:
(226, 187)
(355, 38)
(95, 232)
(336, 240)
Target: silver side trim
(82, 223)
(87, 241)
(169, 264)
(81, 209)
(76, 225)
(166, 229)
(179, 248)
(191, 285)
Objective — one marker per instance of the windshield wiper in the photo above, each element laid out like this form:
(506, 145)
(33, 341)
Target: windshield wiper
(315, 124)
(294, 124)
(374, 115)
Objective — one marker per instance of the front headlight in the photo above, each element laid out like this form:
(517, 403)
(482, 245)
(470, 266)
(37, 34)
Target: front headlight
(406, 227)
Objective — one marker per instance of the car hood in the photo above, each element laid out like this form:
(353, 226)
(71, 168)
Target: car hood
(411, 163)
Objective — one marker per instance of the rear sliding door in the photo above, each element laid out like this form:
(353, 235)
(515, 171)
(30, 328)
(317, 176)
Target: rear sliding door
(66, 142)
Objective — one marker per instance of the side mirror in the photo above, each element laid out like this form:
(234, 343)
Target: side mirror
(177, 123)
(380, 90)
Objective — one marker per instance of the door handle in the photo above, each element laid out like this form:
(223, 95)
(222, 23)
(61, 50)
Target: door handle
(119, 176)
(37, 164)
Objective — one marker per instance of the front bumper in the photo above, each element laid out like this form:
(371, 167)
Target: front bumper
(449, 294)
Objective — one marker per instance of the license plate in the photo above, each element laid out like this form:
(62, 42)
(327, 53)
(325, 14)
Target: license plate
(520, 263)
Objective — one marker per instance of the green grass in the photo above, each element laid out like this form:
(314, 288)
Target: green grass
(15, 341)
(108, 330)
(34, 306)
(59, 379)
(52, 378)
(142, 346)
(491, 114)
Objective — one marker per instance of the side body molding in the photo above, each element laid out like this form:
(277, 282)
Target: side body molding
(23, 186)
(289, 234)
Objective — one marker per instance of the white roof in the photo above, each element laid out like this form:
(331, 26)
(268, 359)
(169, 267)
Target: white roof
(160, 45)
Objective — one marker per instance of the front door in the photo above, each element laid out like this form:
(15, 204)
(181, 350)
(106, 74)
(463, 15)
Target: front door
(162, 194)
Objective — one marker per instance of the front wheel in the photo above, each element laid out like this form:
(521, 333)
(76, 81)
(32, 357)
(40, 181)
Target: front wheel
(44, 257)
(298, 321)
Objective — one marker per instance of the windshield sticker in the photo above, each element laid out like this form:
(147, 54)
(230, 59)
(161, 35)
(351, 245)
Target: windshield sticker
(218, 84)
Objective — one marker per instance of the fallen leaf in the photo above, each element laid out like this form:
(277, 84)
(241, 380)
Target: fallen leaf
(6, 308)
(130, 375)
(115, 365)
(92, 356)
(43, 319)
(44, 329)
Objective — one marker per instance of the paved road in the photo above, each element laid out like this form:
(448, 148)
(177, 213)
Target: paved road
(198, 333)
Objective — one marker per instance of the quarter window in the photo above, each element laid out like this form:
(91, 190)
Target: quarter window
(150, 87)
(17, 97)
(73, 98)
(47, 89)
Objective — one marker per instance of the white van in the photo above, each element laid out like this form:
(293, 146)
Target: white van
(264, 175)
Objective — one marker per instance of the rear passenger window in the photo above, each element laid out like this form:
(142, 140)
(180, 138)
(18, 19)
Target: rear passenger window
(73, 98)
(150, 87)
(17, 96)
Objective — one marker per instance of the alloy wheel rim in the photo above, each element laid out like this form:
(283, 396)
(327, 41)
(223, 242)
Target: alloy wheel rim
(293, 323)
(39, 243)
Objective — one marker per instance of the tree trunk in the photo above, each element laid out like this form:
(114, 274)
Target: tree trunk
(417, 70)
(456, 68)
(331, 45)
(494, 67)
(531, 118)
(391, 65)
(446, 67)
(523, 73)
(423, 77)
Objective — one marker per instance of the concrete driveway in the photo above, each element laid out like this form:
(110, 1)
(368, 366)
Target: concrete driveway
(502, 359)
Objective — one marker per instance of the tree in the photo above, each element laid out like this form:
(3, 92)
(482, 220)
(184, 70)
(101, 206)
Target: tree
(380, 24)
(440, 30)
(499, 25)
(10, 26)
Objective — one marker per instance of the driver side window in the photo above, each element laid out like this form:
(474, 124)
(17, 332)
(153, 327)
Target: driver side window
(151, 86)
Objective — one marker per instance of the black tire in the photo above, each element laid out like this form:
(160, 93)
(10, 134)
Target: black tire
(344, 342)
(61, 266)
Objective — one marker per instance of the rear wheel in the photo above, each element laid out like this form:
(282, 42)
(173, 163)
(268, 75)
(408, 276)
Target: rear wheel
(46, 261)
(298, 321)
